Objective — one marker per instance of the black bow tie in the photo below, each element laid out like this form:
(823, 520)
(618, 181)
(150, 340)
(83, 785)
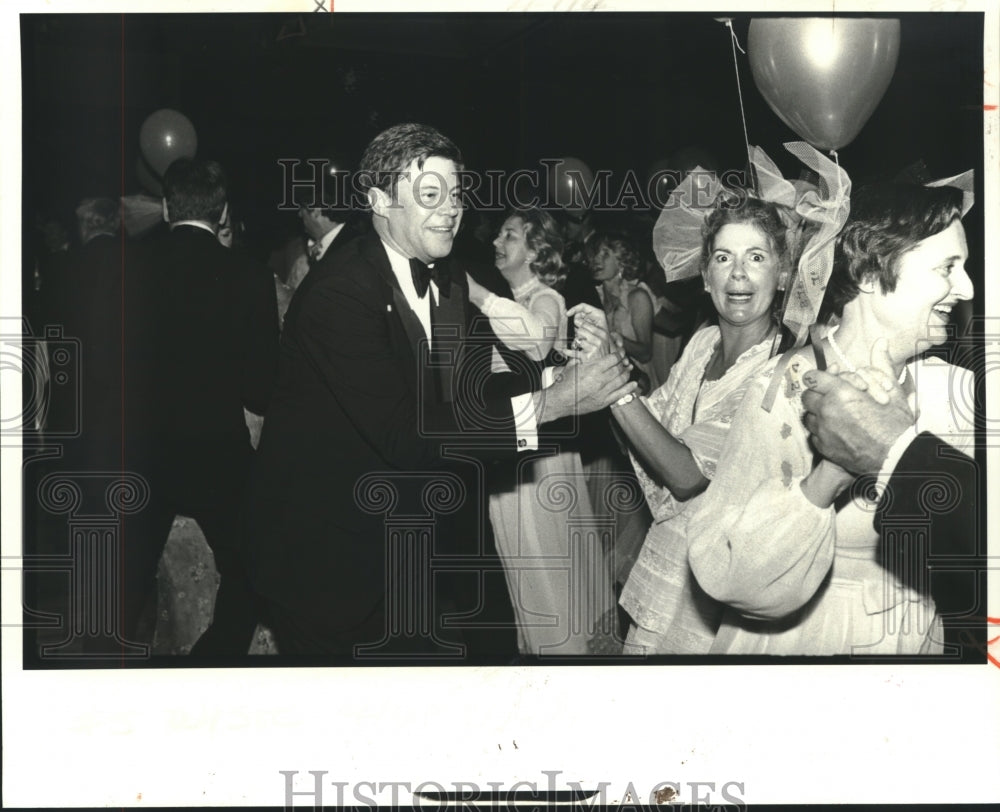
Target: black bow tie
(422, 276)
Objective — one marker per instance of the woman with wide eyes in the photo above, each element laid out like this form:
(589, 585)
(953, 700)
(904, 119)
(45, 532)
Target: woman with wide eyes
(676, 435)
(556, 572)
(788, 544)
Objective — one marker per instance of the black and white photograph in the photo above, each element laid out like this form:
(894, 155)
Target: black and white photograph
(580, 402)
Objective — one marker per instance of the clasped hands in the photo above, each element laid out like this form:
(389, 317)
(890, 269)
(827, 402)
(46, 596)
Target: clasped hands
(597, 374)
(593, 337)
(854, 418)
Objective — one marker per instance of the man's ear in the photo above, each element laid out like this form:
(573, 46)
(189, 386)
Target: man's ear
(166, 213)
(378, 200)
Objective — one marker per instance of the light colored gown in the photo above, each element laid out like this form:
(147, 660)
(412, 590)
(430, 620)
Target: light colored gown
(551, 546)
(672, 615)
(799, 579)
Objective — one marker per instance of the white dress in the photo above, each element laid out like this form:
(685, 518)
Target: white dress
(797, 578)
(551, 545)
(672, 615)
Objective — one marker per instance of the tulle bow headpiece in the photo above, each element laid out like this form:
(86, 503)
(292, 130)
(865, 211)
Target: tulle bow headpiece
(813, 212)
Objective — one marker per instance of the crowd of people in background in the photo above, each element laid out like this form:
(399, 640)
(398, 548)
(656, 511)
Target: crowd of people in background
(415, 433)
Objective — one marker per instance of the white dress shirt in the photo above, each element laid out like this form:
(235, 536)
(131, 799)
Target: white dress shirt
(196, 223)
(422, 307)
(523, 406)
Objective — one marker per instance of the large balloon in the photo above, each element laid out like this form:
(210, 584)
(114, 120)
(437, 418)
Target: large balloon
(572, 184)
(165, 136)
(824, 76)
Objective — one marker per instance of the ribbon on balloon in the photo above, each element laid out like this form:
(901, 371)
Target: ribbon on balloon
(814, 214)
(822, 211)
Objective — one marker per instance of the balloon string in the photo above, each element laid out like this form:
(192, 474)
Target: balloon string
(836, 160)
(739, 91)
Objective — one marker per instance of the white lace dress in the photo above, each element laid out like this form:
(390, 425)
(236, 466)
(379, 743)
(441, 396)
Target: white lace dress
(796, 578)
(551, 546)
(672, 615)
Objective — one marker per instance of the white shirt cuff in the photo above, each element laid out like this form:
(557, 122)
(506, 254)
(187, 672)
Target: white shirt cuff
(525, 423)
(896, 451)
(549, 376)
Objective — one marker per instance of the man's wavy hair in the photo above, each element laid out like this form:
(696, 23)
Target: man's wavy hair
(887, 220)
(391, 152)
(195, 190)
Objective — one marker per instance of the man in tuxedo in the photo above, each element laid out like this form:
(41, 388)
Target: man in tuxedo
(208, 349)
(327, 228)
(865, 424)
(328, 222)
(382, 408)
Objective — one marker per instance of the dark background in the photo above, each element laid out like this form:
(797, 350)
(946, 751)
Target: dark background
(619, 91)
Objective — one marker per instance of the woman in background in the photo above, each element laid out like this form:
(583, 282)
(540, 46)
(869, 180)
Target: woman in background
(628, 302)
(553, 558)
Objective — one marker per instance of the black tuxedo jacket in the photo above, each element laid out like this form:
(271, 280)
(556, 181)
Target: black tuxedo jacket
(347, 234)
(211, 342)
(357, 395)
(935, 490)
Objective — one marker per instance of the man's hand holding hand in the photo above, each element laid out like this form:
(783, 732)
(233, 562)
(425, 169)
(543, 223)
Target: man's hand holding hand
(855, 417)
(584, 387)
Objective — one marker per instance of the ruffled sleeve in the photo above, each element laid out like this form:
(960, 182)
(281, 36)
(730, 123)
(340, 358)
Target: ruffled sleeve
(757, 543)
(524, 329)
(672, 405)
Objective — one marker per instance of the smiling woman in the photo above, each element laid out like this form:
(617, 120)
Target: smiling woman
(556, 568)
(788, 544)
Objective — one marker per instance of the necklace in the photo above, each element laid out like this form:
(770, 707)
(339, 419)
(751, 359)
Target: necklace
(843, 358)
